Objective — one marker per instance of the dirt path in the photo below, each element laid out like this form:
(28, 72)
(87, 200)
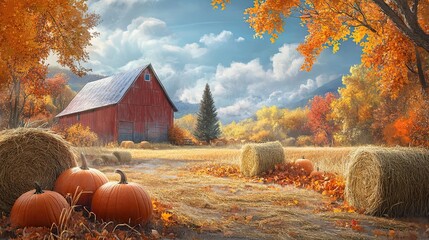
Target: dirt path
(227, 208)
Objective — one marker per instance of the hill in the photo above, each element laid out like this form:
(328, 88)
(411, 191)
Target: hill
(76, 83)
(331, 86)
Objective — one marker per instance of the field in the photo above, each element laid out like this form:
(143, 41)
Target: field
(208, 199)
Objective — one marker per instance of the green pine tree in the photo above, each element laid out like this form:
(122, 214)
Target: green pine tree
(207, 122)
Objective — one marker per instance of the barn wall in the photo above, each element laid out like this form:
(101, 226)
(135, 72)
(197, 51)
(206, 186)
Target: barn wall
(146, 107)
(102, 121)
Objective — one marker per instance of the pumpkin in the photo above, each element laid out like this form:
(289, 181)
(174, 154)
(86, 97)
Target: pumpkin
(304, 164)
(87, 179)
(122, 202)
(37, 208)
(317, 173)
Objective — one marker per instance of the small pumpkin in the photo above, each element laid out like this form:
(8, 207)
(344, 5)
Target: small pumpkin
(317, 173)
(304, 164)
(122, 202)
(37, 208)
(87, 179)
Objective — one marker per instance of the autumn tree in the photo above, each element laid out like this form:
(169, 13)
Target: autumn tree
(319, 120)
(354, 110)
(187, 122)
(207, 127)
(393, 34)
(30, 31)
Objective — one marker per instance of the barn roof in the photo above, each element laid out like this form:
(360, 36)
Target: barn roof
(107, 91)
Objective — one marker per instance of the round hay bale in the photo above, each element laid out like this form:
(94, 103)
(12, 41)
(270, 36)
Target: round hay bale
(145, 145)
(97, 162)
(127, 144)
(109, 159)
(389, 181)
(122, 156)
(29, 155)
(258, 158)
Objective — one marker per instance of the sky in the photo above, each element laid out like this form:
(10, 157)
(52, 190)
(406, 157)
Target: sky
(190, 44)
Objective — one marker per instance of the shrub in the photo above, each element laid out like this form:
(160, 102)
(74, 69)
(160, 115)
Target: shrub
(79, 135)
(304, 140)
(180, 136)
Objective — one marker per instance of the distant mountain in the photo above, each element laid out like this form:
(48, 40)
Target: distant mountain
(75, 82)
(331, 86)
(185, 108)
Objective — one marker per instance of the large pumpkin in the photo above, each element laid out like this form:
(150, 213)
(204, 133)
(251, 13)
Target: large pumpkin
(122, 202)
(304, 164)
(37, 208)
(87, 179)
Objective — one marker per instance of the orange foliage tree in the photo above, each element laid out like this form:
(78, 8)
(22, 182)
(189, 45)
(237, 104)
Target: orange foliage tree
(320, 121)
(394, 34)
(31, 30)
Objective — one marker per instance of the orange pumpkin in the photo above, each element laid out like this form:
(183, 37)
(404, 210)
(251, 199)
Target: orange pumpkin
(37, 208)
(122, 202)
(87, 179)
(317, 174)
(304, 164)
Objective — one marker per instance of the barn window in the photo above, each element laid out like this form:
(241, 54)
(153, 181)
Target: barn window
(78, 117)
(147, 77)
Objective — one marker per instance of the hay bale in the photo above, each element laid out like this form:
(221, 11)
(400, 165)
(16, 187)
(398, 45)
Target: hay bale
(122, 156)
(389, 181)
(127, 144)
(258, 158)
(28, 155)
(97, 162)
(145, 145)
(109, 159)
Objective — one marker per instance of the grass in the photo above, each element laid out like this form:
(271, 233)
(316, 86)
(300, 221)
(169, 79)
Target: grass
(214, 207)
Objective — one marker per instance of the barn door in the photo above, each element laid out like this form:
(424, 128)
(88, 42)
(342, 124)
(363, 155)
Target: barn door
(126, 131)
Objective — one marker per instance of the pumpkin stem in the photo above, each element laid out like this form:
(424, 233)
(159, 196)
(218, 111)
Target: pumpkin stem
(123, 177)
(84, 162)
(38, 188)
(317, 168)
(303, 157)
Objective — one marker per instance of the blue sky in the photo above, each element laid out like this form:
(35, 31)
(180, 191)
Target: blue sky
(190, 44)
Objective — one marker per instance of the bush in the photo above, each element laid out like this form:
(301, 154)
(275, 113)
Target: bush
(304, 141)
(180, 136)
(78, 135)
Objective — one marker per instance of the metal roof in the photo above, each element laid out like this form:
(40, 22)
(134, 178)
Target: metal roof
(106, 91)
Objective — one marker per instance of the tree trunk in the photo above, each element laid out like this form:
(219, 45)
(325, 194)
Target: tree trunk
(421, 73)
(406, 21)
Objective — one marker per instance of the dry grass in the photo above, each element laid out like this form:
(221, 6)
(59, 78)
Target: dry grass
(217, 208)
(389, 181)
(28, 155)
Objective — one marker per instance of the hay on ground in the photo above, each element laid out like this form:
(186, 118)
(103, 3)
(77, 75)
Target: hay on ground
(145, 145)
(122, 156)
(28, 155)
(109, 159)
(127, 144)
(258, 158)
(389, 181)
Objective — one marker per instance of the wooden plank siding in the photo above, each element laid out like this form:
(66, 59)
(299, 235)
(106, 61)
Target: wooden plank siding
(146, 105)
(102, 121)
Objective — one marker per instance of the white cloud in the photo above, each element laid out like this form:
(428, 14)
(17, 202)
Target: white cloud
(144, 40)
(242, 108)
(212, 39)
(240, 39)
(287, 62)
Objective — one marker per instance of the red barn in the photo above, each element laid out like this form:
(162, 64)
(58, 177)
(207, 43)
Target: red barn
(128, 106)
